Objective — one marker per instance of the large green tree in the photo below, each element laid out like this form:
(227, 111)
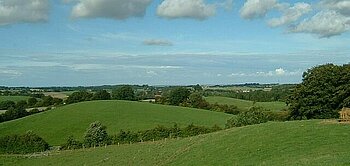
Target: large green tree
(324, 91)
(123, 93)
(178, 95)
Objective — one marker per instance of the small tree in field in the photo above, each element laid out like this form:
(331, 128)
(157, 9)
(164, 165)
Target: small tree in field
(95, 135)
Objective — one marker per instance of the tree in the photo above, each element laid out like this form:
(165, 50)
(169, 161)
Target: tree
(196, 100)
(95, 135)
(79, 97)
(101, 95)
(178, 95)
(123, 93)
(324, 91)
(4, 105)
(32, 101)
(21, 104)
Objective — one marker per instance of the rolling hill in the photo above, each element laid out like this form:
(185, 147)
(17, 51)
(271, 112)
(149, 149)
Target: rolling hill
(313, 142)
(246, 104)
(56, 125)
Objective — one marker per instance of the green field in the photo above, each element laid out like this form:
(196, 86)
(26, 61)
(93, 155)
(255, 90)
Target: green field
(275, 143)
(56, 125)
(13, 98)
(246, 104)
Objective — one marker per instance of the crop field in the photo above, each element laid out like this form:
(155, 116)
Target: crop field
(313, 142)
(13, 98)
(246, 104)
(56, 125)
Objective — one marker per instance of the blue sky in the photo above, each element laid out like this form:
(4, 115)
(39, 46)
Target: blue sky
(170, 42)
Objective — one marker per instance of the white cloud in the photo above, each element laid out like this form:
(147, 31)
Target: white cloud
(324, 24)
(115, 9)
(151, 72)
(280, 71)
(194, 9)
(341, 6)
(291, 14)
(257, 8)
(157, 42)
(19, 11)
(9, 72)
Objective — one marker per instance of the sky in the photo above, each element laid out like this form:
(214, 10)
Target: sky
(169, 42)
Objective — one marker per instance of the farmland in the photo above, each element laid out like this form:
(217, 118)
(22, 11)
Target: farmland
(13, 98)
(315, 142)
(56, 125)
(246, 104)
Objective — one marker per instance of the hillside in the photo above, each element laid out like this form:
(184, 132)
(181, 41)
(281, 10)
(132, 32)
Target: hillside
(275, 143)
(246, 104)
(56, 125)
(13, 98)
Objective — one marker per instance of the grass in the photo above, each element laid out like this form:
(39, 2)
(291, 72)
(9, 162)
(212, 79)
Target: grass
(56, 125)
(13, 98)
(273, 143)
(246, 104)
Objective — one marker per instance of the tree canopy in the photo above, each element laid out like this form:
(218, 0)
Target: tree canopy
(178, 95)
(123, 93)
(324, 91)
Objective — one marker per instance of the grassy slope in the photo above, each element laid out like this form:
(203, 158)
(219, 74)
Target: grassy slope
(56, 125)
(273, 143)
(13, 98)
(246, 104)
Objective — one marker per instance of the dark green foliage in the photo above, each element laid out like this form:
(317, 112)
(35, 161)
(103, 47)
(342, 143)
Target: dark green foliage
(124, 137)
(71, 144)
(34, 111)
(123, 93)
(324, 91)
(196, 100)
(13, 113)
(254, 116)
(57, 101)
(4, 105)
(178, 95)
(21, 104)
(101, 95)
(21, 144)
(96, 135)
(277, 93)
(161, 132)
(32, 101)
(79, 97)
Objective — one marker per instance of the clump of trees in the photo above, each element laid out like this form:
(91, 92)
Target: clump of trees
(324, 91)
(22, 144)
(123, 93)
(277, 93)
(15, 110)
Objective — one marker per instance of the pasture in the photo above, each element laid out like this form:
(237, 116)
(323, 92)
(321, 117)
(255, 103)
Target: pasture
(246, 104)
(273, 143)
(57, 124)
(13, 98)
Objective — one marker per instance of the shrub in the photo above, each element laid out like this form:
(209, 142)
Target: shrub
(72, 144)
(21, 144)
(253, 116)
(96, 135)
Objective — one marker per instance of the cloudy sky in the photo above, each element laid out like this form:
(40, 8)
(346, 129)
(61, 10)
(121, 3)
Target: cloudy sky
(169, 42)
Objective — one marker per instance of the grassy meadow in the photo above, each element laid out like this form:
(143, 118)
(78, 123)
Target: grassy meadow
(246, 104)
(315, 142)
(56, 125)
(13, 98)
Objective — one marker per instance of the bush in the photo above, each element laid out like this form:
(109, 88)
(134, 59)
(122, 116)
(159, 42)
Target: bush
(22, 144)
(253, 116)
(96, 135)
(72, 144)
